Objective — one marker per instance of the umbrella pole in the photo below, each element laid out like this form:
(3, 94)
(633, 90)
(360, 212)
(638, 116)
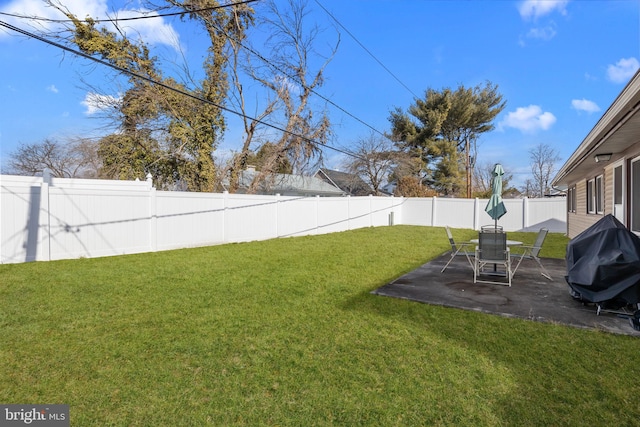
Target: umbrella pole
(495, 229)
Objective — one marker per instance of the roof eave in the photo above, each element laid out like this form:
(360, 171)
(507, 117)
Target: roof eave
(624, 106)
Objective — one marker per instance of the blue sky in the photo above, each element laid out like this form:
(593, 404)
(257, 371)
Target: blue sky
(558, 64)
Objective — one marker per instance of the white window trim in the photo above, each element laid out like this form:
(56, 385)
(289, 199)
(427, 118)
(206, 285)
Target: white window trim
(591, 196)
(599, 194)
(571, 199)
(632, 196)
(622, 189)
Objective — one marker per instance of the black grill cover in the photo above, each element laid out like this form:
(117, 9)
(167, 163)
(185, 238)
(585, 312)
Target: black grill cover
(603, 263)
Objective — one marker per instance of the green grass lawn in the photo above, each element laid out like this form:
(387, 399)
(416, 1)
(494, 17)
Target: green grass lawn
(285, 332)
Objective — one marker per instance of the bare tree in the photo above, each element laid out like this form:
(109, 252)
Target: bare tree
(373, 158)
(73, 159)
(289, 76)
(89, 161)
(483, 177)
(168, 123)
(411, 186)
(543, 165)
(529, 188)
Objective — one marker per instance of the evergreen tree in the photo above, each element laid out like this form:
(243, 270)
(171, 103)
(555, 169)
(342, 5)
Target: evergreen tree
(442, 131)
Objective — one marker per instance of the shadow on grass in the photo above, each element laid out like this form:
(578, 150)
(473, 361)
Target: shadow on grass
(559, 375)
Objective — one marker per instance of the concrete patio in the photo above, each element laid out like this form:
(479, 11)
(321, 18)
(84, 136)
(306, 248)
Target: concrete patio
(531, 296)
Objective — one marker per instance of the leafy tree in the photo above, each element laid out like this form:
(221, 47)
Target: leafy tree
(143, 155)
(162, 130)
(442, 131)
(270, 155)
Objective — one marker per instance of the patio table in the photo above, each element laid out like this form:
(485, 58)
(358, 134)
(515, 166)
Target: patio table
(509, 243)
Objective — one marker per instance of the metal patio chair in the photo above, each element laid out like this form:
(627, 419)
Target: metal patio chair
(457, 249)
(531, 252)
(492, 250)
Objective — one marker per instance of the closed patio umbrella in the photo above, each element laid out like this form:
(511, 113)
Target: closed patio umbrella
(495, 208)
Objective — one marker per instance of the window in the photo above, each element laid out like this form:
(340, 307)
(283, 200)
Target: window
(617, 185)
(595, 195)
(571, 199)
(618, 192)
(599, 195)
(635, 195)
(591, 199)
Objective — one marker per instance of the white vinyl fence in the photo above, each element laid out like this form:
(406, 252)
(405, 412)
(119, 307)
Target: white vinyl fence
(58, 218)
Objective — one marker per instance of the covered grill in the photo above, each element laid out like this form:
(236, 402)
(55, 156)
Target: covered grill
(603, 265)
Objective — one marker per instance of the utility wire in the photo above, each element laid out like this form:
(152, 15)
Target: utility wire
(295, 78)
(257, 54)
(133, 18)
(367, 50)
(163, 85)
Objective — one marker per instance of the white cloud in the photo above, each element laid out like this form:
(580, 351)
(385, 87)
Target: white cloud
(536, 8)
(590, 78)
(52, 88)
(38, 8)
(528, 119)
(623, 70)
(96, 103)
(287, 84)
(542, 33)
(585, 105)
(152, 30)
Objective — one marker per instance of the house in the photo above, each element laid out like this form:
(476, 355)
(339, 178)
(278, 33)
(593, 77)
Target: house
(349, 183)
(287, 185)
(602, 176)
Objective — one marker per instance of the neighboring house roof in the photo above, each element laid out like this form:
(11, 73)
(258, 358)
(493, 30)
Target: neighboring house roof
(556, 193)
(349, 183)
(616, 131)
(287, 185)
(512, 193)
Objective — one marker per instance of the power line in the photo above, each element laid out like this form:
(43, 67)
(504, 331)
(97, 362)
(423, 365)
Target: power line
(165, 86)
(295, 78)
(367, 50)
(133, 18)
(257, 54)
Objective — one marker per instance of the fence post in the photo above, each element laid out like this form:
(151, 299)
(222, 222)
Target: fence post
(392, 209)
(370, 210)
(525, 213)
(277, 214)
(317, 214)
(434, 211)
(349, 212)
(153, 214)
(225, 195)
(153, 220)
(44, 218)
(476, 214)
(1, 240)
